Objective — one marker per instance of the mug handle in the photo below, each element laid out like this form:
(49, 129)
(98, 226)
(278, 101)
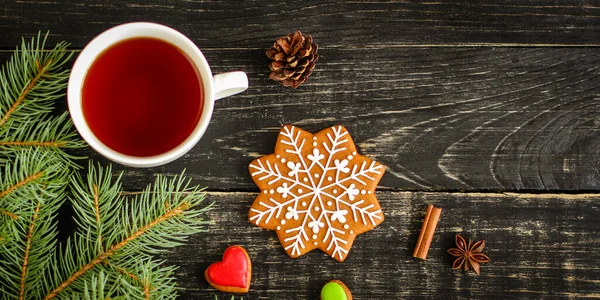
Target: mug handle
(230, 83)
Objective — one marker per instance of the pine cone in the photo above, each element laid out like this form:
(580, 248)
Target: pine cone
(294, 58)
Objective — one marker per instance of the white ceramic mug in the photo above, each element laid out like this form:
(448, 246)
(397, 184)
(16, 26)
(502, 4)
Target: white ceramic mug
(221, 85)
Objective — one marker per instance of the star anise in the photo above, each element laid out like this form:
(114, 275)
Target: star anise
(468, 255)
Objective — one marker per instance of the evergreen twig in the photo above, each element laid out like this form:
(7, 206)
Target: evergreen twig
(32, 188)
(52, 133)
(129, 231)
(30, 82)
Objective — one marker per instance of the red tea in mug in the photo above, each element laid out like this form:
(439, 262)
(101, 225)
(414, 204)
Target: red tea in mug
(142, 97)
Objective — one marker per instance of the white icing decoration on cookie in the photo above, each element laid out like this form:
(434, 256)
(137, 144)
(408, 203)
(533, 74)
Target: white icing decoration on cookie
(283, 160)
(369, 192)
(316, 155)
(341, 165)
(272, 191)
(315, 144)
(363, 192)
(314, 237)
(313, 175)
(316, 225)
(294, 168)
(278, 156)
(352, 191)
(291, 213)
(283, 190)
(339, 215)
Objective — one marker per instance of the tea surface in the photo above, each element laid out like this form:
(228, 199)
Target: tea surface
(142, 97)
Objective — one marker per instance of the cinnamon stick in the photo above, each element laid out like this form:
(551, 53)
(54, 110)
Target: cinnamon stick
(426, 236)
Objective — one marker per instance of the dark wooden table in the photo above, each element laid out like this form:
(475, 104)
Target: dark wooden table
(489, 109)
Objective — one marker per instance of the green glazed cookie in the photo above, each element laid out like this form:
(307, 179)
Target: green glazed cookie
(335, 290)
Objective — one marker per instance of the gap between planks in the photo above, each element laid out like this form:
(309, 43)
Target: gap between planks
(582, 196)
(388, 46)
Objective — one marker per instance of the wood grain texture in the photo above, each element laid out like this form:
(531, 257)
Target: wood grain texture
(477, 119)
(541, 246)
(476, 96)
(345, 24)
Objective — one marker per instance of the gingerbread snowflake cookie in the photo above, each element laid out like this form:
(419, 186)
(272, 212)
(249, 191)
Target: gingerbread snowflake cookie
(316, 191)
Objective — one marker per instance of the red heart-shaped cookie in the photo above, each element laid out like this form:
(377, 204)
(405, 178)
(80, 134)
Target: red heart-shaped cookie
(233, 273)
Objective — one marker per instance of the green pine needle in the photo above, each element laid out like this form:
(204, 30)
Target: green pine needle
(99, 288)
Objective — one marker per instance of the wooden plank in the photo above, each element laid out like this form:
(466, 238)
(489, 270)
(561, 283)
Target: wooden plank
(347, 24)
(540, 246)
(507, 119)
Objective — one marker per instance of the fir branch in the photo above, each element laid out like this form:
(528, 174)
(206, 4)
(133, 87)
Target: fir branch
(96, 196)
(50, 133)
(153, 280)
(45, 131)
(9, 214)
(17, 185)
(32, 80)
(99, 288)
(97, 201)
(32, 176)
(27, 249)
(162, 216)
(96, 287)
(125, 273)
(178, 211)
(33, 188)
